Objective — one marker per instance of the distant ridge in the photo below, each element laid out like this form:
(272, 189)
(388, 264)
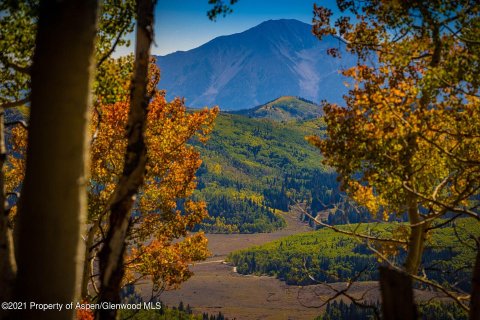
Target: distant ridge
(275, 58)
(286, 108)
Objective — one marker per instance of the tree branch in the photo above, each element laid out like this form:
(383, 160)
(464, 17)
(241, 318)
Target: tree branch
(443, 205)
(135, 159)
(20, 122)
(353, 234)
(457, 299)
(14, 66)
(13, 104)
(343, 292)
(114, 46)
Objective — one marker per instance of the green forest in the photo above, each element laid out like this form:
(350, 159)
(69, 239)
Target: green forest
(349, 311)
(327, 256)
(253, 167)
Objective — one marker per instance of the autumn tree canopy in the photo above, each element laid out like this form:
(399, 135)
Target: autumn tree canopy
(407, 139)
(170, 177)
(162, 211)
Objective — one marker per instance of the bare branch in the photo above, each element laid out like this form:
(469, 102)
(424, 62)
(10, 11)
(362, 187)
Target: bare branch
(439, 187)
(15, 194)
(14, 66)
(114, 46)
(14, 123)
(92, 275)
(462, 241)
(353, 234)
(444, 223)
(456, 298)
(443, 205)
(344, 292)
(455, 34)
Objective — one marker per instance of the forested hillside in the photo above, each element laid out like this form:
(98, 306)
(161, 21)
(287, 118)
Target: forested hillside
(326, 255)
(256, 162)
(285, 108)
(254, 167)
(349, 311)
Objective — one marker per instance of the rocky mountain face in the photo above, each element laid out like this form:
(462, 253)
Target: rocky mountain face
(275, 58)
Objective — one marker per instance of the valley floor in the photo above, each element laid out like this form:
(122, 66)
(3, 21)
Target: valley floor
(215, 287)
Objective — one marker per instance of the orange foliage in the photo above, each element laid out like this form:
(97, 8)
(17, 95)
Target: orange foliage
(84, 314)
(157, 220)
(15, 165)
(170, 177)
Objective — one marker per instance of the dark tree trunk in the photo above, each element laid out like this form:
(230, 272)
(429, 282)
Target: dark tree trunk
(397, 295)
(112, 252)
(53, 205)
(475, 297)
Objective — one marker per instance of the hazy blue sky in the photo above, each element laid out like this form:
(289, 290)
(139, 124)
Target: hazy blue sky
(183, 24)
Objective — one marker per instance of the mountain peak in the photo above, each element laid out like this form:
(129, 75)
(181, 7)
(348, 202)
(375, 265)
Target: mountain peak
(275, 58)
(282, 23)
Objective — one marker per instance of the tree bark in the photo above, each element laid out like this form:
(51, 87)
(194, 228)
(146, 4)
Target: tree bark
(87, 263)
(475, 296)
(53, 205)
(397, 295)
(112, 252)
(416, 241)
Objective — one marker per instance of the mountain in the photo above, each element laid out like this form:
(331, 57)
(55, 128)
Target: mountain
(275, 58)
(285, 108)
